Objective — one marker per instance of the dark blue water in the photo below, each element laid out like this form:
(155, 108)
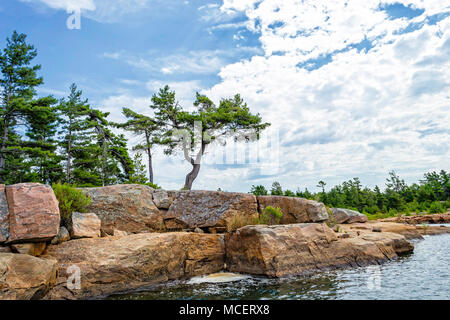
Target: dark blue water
(424, 274)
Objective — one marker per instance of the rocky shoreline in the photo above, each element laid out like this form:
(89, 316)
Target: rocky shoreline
(135, 236)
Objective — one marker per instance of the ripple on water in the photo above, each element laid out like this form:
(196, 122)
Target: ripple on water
(425, 274)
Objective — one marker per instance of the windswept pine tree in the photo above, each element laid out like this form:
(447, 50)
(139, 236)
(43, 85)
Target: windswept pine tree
(192, 132)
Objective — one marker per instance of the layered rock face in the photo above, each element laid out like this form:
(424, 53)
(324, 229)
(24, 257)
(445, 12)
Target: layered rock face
(33, 213)
(111, 264)
(348, 216)
(24, 277)
(128, 208)
(295, 210)
(222, 211)
(294, 249)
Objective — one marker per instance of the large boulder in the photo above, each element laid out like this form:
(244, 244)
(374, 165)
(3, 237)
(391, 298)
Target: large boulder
(84, 225)
(24, 277)
(33, 212)
(295, 210)
(125, 207)
(348, 216)
(4, 216)
(220, 211)
(282, 250)
(111, 264)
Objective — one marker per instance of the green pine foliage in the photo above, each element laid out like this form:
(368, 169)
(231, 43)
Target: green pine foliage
(70, 200)
(431, 195)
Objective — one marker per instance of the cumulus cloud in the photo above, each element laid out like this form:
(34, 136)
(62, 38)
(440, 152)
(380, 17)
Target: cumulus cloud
(363, 109)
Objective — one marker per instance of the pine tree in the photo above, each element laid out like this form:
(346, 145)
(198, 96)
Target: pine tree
(17, 89)
(73, 113)
(145, 127)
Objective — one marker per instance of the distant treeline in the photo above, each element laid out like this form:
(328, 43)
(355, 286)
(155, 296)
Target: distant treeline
(431, 194)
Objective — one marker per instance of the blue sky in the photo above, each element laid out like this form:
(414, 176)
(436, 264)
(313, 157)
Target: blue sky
(353, 88)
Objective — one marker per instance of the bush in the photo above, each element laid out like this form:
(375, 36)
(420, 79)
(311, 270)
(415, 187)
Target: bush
(437, 207)
(270, 215)
(70, 200)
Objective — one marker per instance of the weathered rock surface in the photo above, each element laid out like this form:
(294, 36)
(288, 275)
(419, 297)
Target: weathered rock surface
(5, 249)
(33, 212)
(297, 248)
(34, 249)
(211, 209)
(4, 216)
(24, 277)
(112, 264)
(420, 219)
(62, 236)
(161, 199)
(410, 232)
(295, 210)
(128, 208)
(348, 216)
(84, 225)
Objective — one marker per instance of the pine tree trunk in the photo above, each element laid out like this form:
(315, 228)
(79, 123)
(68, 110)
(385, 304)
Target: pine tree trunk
(3, 150)
(69, 157)
(191, 176)
(150, 165)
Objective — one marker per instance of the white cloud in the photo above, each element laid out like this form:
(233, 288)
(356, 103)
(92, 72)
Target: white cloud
(363, 113)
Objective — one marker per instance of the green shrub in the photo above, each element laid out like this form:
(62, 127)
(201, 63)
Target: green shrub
(437, 207)
(447, 204)
(70, 200)
(270, 215)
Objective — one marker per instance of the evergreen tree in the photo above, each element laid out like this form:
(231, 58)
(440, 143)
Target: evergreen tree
(17, 89)
(145, 127)
(73, 113)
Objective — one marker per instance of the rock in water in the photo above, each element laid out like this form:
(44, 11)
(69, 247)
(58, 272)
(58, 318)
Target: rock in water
(4, 216)
(293, 249)
(348, 216)
(84, 225)
(24, 277)
(295, 210)
(109, 265)
(128, 208)
(33, 212)
(62, 236)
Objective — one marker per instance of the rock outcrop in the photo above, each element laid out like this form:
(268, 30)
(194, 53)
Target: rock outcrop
(220, 211)
(348, 216)
(161, 199)
(295, 210)
(34, 249)
(421, 219)
(84, 225)
(297, 248)
(410, 232)
(111, 264)
(128, 208)
(23, 277)
(33, 213)
(4, 216)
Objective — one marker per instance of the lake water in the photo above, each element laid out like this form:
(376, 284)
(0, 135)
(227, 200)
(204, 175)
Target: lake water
(424, 274)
